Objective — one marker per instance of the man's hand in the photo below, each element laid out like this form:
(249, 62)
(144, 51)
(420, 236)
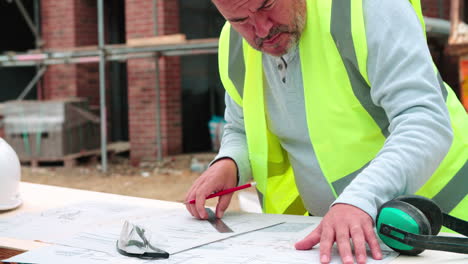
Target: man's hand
(219, 176)
(342, 222)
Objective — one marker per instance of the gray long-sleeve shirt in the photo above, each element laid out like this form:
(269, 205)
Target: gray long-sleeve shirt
(401, 74)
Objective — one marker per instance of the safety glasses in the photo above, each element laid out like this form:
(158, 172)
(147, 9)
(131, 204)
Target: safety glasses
(134, 243)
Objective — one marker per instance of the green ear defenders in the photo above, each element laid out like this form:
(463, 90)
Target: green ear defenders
(409, 225)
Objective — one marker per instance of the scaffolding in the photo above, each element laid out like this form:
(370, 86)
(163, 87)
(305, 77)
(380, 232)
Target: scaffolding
(99, 54)
(112, 53)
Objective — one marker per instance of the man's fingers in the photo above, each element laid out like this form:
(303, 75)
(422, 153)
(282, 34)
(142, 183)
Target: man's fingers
(310, 240)
(223, 203)
(197, 209)
(326, 242)
(192, 207)
(193, 211)
(373, 242)
(359, 242)
(344, 245)
(189, 208)
(219, 176)
(188, 205)
(200, 206)
(191, 194)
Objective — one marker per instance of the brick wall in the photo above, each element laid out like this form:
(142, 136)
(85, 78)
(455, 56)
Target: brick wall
(431, 8)
(87, 35)
(67, 24)
(58, 31)
(141, 83)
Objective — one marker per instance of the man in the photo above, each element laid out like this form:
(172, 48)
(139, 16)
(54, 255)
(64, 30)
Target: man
(334, 107)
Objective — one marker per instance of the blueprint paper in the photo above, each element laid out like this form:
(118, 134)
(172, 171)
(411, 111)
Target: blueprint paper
(273, 245)
(50, 225)
(171, 230)
(97, 226)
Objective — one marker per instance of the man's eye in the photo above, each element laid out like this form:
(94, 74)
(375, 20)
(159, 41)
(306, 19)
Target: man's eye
(268, 5)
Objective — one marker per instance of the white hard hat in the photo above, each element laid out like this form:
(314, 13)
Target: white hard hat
(10, 176)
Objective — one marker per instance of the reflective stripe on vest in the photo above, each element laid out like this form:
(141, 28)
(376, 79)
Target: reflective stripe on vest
(231, 61)
(334, 48)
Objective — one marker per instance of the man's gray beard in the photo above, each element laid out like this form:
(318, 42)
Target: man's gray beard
(296, 34)
(293, 42)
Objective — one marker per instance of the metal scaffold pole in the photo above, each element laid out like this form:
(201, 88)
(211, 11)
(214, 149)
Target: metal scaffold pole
(112, 53)
(157, 86)
(102, 85)
(33, 82)
(32, 26)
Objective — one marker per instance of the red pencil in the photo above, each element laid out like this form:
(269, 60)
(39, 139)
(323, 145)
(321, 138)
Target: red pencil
(223, 192)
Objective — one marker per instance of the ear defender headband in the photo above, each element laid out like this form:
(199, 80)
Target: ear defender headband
(409, 225)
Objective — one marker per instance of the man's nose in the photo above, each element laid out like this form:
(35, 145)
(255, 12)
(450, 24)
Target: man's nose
(262, 25)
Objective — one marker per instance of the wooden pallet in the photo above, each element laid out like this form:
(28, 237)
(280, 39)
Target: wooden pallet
(10, 247)
(71, 160)
(6, 253)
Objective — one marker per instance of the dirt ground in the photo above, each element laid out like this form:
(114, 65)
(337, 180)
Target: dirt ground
(167, 180)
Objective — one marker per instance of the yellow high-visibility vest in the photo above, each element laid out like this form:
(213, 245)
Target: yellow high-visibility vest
(333, 51)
